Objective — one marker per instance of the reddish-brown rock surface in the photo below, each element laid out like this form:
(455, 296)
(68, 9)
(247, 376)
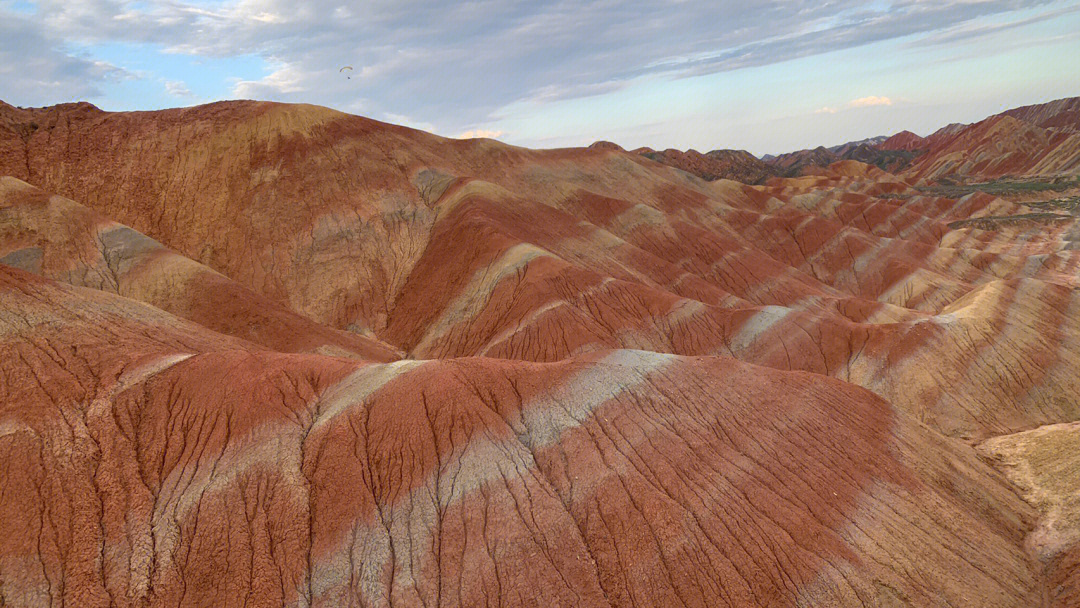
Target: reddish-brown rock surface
(904, 140)
(258, 354)
(1001, 146)
(60, 239)
(738, 165)
(1033, 142)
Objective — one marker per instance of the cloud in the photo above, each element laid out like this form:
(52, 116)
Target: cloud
(36, 70)
(862, 102)
(967, 31)
(405, 121)
(458, 64)
(866, 102)
(285, 80)
(474, 133)
(178, 89)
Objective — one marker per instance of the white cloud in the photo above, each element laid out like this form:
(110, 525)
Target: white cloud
(474, 133)
(461, 63)
(35, 70)
(405, 121)
(862, 102)
(177, 88)
(866, 102)
(286, 79)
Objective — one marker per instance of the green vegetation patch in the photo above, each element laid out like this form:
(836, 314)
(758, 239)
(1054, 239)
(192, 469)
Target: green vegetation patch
(994, 222)
(1002, 187)
(1070, 204)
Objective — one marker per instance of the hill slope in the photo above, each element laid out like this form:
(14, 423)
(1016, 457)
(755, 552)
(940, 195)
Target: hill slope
(1031, 142)
(738, 165)
(1001, 146)
(575, 377)
(60, 239)
(595, 482)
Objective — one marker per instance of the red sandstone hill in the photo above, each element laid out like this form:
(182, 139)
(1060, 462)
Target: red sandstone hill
(58, 238)
(956, 152)
(870, 142)
(871, 152)
(1063, 114)
(904, 140)
(1039, 141)
(738, 165)
(1033, 142)
(792, 163)
(267, 354)
(1001, 146)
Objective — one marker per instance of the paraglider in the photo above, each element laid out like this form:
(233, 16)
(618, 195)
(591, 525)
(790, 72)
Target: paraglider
(349, 68)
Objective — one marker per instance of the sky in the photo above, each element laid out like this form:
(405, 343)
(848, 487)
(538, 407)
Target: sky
(769, 76)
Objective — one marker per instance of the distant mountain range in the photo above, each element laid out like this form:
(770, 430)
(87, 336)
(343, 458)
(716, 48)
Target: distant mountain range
(1036, 140)
(738, 165)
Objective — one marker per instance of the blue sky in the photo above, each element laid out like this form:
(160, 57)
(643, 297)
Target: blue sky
(768, 76)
